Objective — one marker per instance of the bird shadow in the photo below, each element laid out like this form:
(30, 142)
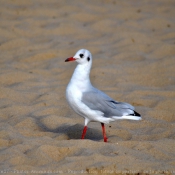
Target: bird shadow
(72, 131)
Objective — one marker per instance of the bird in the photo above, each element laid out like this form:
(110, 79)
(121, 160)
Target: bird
(91, 103)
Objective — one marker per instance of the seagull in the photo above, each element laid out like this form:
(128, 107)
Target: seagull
(91, 103)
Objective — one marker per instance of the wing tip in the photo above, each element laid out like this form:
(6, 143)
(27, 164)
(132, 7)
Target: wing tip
(136, 114)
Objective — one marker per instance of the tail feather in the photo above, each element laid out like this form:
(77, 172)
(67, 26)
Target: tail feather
(133, 116)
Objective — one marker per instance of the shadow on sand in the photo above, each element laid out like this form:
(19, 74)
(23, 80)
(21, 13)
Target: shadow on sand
(72, 131)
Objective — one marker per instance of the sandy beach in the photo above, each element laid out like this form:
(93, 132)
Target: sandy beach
(133, 49)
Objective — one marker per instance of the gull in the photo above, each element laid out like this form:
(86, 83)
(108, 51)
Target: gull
(91, 103)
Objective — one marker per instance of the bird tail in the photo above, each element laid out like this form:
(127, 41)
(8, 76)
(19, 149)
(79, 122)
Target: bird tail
(134, 116)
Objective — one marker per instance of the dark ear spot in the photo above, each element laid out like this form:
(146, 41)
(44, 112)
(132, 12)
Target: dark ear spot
(88, 58)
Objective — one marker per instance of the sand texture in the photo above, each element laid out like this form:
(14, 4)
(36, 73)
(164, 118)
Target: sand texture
(133, 48)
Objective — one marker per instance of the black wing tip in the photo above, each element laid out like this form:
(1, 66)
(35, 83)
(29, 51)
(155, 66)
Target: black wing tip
(136, 114)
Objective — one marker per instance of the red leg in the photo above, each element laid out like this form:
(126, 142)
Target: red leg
(104, 133)
(84, 132)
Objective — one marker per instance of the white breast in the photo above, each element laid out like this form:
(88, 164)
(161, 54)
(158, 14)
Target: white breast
(73, 97)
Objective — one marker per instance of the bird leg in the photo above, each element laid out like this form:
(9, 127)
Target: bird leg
(84, 132)
(104, 133)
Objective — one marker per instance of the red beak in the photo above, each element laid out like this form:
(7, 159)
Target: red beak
(70, 59)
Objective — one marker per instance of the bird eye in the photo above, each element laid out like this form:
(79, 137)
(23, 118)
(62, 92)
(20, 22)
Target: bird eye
(81, 55)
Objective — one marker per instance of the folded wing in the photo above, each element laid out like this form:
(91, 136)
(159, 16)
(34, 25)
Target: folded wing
(98, 100)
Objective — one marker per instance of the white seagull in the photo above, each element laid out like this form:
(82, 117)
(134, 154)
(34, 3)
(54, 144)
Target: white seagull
(91, 103)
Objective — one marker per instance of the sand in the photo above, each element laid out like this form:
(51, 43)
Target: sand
(133, 48)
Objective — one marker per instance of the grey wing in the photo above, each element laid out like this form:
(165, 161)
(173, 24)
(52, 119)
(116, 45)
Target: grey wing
(97, 100)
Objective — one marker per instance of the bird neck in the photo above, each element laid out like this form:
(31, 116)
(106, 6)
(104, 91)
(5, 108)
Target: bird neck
(80, 77)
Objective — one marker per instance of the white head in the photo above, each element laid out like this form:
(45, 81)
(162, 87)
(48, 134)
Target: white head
(83, 56)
